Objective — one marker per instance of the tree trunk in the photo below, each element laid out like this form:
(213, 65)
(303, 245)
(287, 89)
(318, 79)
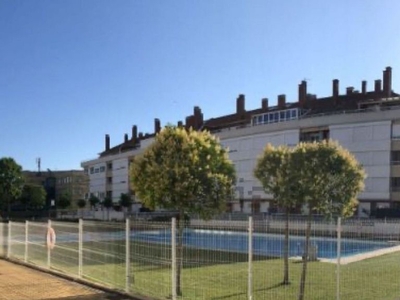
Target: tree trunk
(179, 252)
(305, 259)
(286, 250)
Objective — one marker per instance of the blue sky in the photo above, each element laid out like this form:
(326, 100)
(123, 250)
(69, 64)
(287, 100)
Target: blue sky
(72, 71)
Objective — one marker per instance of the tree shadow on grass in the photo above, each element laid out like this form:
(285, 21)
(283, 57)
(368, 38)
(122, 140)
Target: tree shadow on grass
(244, 294)
(95, 296)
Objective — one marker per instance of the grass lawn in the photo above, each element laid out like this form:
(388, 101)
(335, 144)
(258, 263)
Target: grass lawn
(220, 275)
(214, 275)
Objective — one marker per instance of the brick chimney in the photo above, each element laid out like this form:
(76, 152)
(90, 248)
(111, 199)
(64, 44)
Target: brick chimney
(302, 93)
(125, 137)
(264, 103)
(349, 90)
(240, 104)
(189, 122)
(282, 101)
(134, 133)
(387, 82)
(198, 117)
(378, 86)
(140, 135)
(180, 124)
(107, 142)
(335, 88)
(157, 125)
(364, 87)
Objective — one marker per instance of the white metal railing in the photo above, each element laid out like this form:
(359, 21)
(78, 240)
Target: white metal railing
(219, 260)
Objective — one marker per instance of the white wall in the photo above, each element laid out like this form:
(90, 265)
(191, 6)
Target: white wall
(243, 151)
(97, 180)
(120, 182)
(370, 143)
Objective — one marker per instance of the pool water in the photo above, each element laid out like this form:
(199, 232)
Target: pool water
(263, 244)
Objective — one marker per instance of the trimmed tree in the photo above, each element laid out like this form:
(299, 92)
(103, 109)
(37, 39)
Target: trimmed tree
(275, 171)
(81, 204)
(11, 182)
(64, 201)
(329, 180)
(125, 200)
(108, 203)
(187, 171)
(93, 200)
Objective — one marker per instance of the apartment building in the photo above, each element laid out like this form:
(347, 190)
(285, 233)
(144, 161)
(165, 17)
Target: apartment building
(365, 122)
(74, 183)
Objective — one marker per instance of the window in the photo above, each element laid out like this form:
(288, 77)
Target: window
(260, 119)
(97, 170)
(265, 118)
(254, 120)
(288, 115)
(102, 169)
(395, 157)
(395, 184)
(271, 117)
(282, 116)
(91, 170)
(276, 117)
(109, 179)
(109, 166)
(294, 113)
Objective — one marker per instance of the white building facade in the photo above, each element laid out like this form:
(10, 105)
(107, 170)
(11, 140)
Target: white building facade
(366, 123)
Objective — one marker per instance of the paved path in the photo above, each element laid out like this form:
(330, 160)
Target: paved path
(22, 283)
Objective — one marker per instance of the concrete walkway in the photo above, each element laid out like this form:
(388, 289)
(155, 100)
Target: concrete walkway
(22, 283)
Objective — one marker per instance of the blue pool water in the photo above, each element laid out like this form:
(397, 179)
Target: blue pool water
(263, 244)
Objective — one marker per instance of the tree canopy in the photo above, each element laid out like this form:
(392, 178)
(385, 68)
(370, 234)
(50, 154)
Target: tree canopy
(184, 170)
(275, 170)
(329, 179)
(11, 181)
(33, 196)
(64, 201)
(125, 200)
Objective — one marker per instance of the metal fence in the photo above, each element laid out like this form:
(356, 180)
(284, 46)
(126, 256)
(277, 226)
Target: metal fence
(219, 259)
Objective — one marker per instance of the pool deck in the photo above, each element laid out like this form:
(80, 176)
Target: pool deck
(357, 257)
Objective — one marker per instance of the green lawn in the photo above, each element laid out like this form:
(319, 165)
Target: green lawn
(221, 275)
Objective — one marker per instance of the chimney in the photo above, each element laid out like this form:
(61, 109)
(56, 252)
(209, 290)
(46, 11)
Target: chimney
(302, 92)
(364, 87)
(157, 125)
(140, 135)
(107, 142)
(190, 122)
(378, 86)
(125, 138)
(349, 90)
(281, 101)
(180, 124)
(335, 88)
(240, 104)
(198, 117)
(264, 103)
(387, 82)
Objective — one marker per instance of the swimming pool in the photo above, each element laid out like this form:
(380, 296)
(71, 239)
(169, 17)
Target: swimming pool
(263, 244)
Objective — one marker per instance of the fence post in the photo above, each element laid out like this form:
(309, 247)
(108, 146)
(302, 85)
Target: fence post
(250, 271)
(173, 258)
(128, 254)
(26, 241)
(339, 240)
(48, 248)
(9, 240)
(80, 248)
